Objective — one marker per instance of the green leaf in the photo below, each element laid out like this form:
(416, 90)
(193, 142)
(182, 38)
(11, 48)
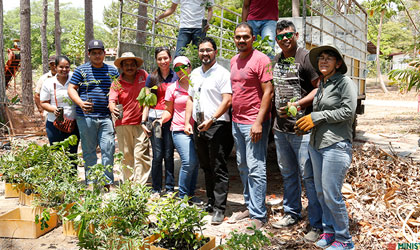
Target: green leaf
(292, 111)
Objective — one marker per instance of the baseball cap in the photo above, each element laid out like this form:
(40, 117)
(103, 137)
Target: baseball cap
(96, 44)
(51, 59)
(181, 59)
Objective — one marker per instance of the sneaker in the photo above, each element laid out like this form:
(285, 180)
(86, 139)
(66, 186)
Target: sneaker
(341, 246)
(238, 216)
(195, 201)
(325, 241)
(250, 226)
(286, 221)
(312, 235)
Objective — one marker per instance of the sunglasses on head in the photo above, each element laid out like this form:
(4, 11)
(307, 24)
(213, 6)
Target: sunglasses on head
(178, 68)
(288, 35)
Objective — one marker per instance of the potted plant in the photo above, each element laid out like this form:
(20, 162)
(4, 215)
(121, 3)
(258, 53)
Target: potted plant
(238, 241)
(179, 225)
(147, 98)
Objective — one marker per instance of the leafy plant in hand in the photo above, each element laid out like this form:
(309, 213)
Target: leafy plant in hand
(291, 110)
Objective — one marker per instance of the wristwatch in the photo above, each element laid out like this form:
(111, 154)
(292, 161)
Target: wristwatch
(143, 123)
(214, 119)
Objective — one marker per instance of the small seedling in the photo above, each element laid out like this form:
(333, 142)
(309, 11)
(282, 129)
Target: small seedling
(292, 110)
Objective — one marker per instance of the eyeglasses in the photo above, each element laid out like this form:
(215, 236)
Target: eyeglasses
(288, 35)
(205, 50)
(326, 58)
(178, 68)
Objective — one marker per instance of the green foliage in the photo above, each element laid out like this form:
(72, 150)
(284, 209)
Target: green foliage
(243, 241)
(407, 78)
(191, 52)
(146, 98)
(44, 218)
(263, 45)
(177, 223)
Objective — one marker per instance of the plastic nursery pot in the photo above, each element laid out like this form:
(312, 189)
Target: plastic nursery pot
(158, 130)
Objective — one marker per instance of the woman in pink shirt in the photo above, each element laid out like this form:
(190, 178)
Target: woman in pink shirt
(176, 100)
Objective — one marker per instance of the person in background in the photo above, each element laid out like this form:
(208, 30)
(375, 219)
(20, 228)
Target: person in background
(54, 94)
(42, 79)
(163, 148)
(294, 79)
(330, 147)
(251, 78)
(191, 24)
(176, 97)
(89, 88)
(132, 139)
(209, 101)
(262, 15)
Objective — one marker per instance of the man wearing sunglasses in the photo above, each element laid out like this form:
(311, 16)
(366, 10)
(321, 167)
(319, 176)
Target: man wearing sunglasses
(295, 84)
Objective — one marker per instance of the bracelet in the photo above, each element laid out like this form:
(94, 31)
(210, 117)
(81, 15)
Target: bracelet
(214, 119)
(143, 123)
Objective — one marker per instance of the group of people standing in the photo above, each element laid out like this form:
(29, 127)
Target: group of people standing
(203, 112)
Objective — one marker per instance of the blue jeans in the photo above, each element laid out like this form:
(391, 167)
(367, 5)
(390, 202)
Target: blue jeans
(251, 160)
(294, 162)
(265, 28)
(185, 36)
(93, 132)
(330, 166)
(163, 149)
(188, 173)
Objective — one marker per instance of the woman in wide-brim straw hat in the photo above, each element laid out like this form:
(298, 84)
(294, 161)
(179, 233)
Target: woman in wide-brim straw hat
(334, 108)
(132, 140)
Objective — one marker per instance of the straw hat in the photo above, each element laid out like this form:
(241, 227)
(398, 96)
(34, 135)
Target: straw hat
(316, 52)
(126, 56)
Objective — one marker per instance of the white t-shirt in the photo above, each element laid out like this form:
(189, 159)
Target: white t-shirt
(213, 83)
(192, 12)
(47, 94)
(41, 80)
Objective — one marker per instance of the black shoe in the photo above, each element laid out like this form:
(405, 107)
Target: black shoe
(208, 208)
(218, 217)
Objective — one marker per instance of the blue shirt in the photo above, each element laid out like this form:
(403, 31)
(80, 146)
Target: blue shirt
(94, 83)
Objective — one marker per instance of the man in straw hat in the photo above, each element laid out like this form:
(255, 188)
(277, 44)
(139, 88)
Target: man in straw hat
(133, 142)
(88, 89)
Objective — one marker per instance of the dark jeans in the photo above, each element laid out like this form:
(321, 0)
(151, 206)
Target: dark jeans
(163, 149)
(213, 148)
(185, 36)
(55, 135)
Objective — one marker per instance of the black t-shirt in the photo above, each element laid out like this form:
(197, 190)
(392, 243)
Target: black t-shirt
(292, 78)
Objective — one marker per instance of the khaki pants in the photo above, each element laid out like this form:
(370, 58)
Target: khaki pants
(134, 144)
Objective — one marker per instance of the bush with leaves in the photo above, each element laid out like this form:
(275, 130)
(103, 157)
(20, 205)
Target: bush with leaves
(407, 78)
(244, 241)
(177, 224)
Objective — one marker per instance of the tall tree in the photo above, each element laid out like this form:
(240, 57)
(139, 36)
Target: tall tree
(57, 27)
(44, 46)
(386, 9)
(295, 8)
(141, 22)
(2, 77)
(88, 26)
(26, 66)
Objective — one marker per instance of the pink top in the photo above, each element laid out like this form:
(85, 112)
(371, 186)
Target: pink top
(246, 76)
(126, 93)
(179, 96)
(263, 10)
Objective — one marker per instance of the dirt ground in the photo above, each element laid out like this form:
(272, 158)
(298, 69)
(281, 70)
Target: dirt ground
(392, 124)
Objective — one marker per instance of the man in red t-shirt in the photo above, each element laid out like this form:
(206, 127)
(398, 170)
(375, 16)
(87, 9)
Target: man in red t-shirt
(262, 15)
(132, 140)
(251, 101)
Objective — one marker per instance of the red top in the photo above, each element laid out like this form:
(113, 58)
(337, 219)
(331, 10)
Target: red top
(263, 10)
(126, 93)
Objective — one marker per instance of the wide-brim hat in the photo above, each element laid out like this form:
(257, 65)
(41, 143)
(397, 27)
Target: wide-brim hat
(126, 56)
(316, 52)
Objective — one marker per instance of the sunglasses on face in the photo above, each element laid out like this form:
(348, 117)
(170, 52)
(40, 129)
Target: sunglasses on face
(178, 68)
(288, 35)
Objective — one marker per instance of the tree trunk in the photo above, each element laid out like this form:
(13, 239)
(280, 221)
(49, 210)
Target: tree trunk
(57, 27)
(26, 66)
(2, 77)
(88, 26)
(141, 24)
(378, 63)
(295, 8)
(44, 46)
